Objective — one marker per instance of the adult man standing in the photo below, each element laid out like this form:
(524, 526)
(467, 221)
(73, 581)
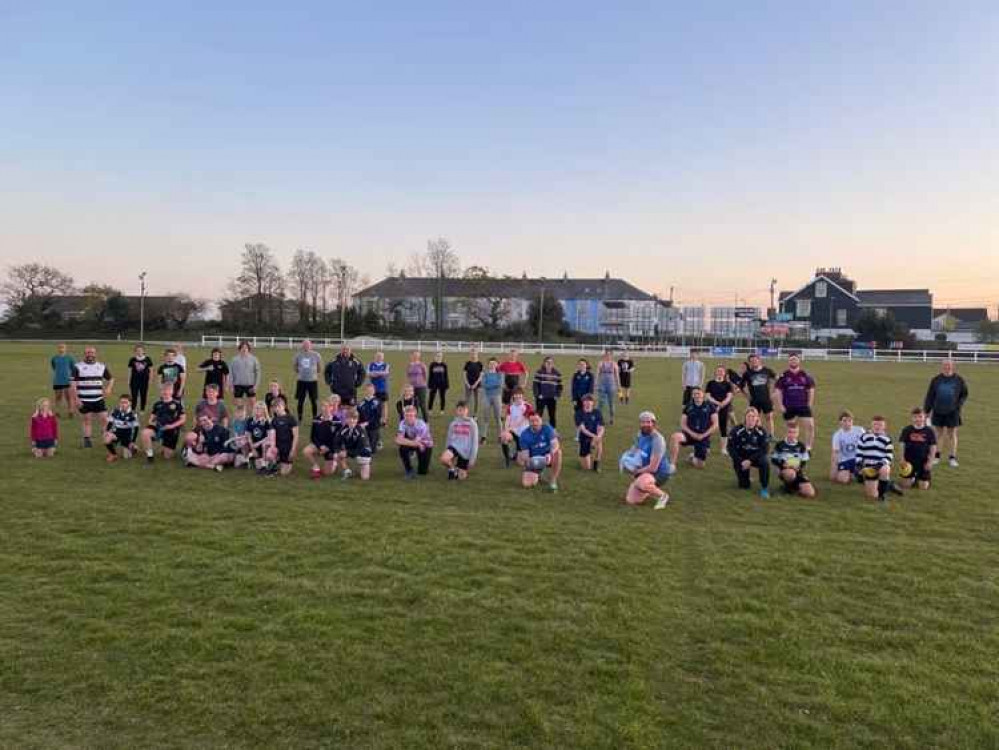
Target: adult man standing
(757, 385)
(344, 375)
(306, 366)
(944, 399)
(693, 376)
(244, 377)
(89, 391)
(795, 391)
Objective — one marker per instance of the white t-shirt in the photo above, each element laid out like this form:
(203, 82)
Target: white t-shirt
(844, 442)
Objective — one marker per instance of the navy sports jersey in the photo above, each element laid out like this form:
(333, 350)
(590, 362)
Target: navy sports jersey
(785, 452)
(354, 440)
(748, 444)
(369, 412)
(283, 426)
(258, 429)
(213, 440)
(699, 417)
(123, 420)
(591, 420)
(757, 384)
(215, 372)
(170, 372)
(167, 412)
(918, 444)
(537, 443)
(324, 433)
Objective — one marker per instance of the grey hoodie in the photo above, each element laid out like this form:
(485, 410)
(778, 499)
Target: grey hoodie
(463, 437)
(245, 370)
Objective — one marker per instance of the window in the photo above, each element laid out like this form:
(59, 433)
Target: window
(821, 289)
(841, 318)
(881, 312)
(803, 308)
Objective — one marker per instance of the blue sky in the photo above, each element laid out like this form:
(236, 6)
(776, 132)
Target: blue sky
(703, 146)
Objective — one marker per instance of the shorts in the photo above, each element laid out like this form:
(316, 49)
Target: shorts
(763, 407)
(284, 454)
(796, 412)
(949, 421)
(459, 460)
(585, 446)
(700, 446)
(922, 474)
(326, 451)
(168, 438)
(795, 484)
(724, 415)
(56, 387)
(626, 380)
(124, 437)
(93, 407)
(850, 466)
(244, 391)
(44, 445)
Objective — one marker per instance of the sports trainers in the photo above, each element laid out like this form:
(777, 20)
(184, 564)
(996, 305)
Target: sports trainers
(764, 494)
(953, 462)
(410, 474)
(347, 474)
(661, 502)
(88, 443)
(936, 460)
(553, 486)
(218, 468)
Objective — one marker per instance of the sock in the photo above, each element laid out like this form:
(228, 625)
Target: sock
(110, 447)
(882, 487)
(596, 465)
(506, 451)
(149, 453)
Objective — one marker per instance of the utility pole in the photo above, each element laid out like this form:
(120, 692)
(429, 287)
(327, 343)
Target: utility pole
(541, 312)
(142, 307)
(773, 291)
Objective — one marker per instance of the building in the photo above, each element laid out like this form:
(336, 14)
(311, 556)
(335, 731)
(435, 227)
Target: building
(267, 310)
(949, 319)
(735, 322)
(607, 307)
(694, 320)
(830, 304)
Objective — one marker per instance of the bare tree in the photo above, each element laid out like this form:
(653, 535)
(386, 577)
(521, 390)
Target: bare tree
(416, 265)
(344, 282)
(299, 278)
(260, 279)
(490, 307)
(30, 287)
(181, 307)
(443, 263)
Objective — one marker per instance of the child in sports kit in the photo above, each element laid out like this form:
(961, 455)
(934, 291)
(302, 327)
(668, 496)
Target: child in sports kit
(582, 384)
(140, 367)
(258, 430)
(239, 438)
(274, 392)
(414, 440)
(122, 430)
(843, 464)
(353, 445)
(406, 399)
(517, 414)
(625, 368)
(166, 418)
(371, 414)
(462, 443)
(790, 456)
(876, 454)
(211, 450)
(698, 422)
(62, 365)
(284, 441)
(492, 390)
(590, 433)
(43, 430)
(172, 373)
(919, 443)
(378, 376)
(323, 447)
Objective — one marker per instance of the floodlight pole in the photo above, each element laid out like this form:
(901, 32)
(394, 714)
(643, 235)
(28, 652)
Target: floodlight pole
(142, 307)
(541, 312)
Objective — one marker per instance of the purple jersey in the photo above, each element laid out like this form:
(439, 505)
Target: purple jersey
(417, 431)
(794, 388)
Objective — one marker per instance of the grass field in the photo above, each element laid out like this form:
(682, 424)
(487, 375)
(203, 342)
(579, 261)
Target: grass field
(152, 607)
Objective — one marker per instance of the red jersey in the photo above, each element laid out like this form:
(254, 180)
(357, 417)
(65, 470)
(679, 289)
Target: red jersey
(44, 428)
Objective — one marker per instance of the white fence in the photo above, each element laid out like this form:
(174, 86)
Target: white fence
(644, 350)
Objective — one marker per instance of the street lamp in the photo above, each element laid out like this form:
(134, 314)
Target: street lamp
(541, 313)
(142, 307)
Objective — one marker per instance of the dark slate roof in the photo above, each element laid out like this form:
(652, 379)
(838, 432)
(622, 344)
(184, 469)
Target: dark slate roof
(890, 297)
(395, 287)
(963, 314)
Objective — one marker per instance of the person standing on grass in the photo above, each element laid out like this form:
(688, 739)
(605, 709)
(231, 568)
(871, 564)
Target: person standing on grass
(172, 373)
(62, 378)
(91, 384)
(414, 441)
(547, 389)
(720, 391)
(121, 430)
(747, 447)
(462, 444)
(216, 373)
(306, 367)
(140, 365)
(795, 391)
(245, 375)
(181, 360)
(919, 443)
(492, 390)
(166, 419)
(653, 469)
(43, 430)
(608, 382)
(625, 369)
(944, 399)
(378, 376)
(416, 376)
(472, 377)
(590, 434)
(582, 384)
(757, 384)
(210, 450)
(697, 424)
(514, 375)
(539, 452)
(438, 382)
(344, 375)
(843, 466)
(790, 456)
(692, 375)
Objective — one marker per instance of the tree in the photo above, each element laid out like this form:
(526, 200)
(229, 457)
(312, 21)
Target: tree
(105, 304)
(988, 331)
(550, 310)
(261, 280)
(29, 289)
(344, 278)
(488, 306)
(443, 263)
(881, 328)
(181, 307)
(305, 276)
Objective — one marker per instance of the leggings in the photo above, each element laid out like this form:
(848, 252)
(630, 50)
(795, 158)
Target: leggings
(422, 459)
(305, 388)
(607, 394)
(494, 410)
(140, 392)
(742, 475)
(420, 392)
(472, 399)
(434, 392)
(550, 404)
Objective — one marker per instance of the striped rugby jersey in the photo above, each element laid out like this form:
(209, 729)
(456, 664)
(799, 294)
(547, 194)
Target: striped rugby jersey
(89, 379)
(124, 420)
(875, 450)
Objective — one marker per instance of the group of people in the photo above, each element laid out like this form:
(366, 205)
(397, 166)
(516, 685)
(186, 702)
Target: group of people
(346, 426)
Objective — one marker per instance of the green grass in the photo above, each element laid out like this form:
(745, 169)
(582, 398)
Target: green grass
(156, 607)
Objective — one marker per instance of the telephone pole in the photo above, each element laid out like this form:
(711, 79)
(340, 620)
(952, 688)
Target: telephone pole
(773, 291)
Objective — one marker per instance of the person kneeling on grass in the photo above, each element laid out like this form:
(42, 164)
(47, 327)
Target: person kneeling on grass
(353, 445)
(283, 441)
(415, 441)
(166, 419)
(462, 443)
(44, 431)
(210, 450)
(919, 443)
(121, 430)
(516, 421)
(647, 463)
(698, 423)
(590, 431)
(791, 457)
(322, 448)
(844, 468)
(539, 452)
(876, 455)
(747, 446)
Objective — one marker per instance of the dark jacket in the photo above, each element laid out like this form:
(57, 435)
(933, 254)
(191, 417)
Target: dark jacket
(946, 395)
(582, 383)
(438, 377)
(547, 383)
(748, 445)
(343, 375)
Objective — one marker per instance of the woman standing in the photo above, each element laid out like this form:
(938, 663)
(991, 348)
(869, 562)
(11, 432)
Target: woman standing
(416, 376)
(720, 391)
(608, 382)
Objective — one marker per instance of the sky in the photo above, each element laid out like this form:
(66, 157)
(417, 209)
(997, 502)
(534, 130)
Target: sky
(699, 147)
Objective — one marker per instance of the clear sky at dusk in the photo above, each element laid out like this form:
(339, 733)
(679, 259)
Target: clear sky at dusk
(705, 146)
